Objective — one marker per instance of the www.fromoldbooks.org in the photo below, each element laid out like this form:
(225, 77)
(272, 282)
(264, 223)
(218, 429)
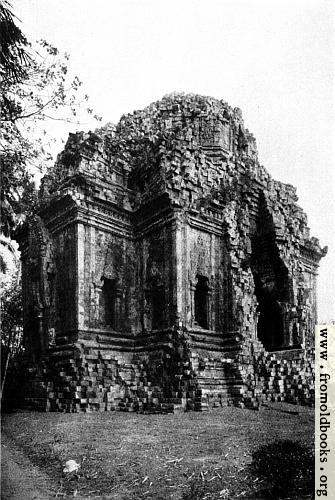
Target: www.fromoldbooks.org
(325, 411)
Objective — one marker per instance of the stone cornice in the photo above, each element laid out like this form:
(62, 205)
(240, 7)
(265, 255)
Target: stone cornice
(312, 252)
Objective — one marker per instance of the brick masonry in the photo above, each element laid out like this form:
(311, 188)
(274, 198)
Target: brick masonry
(164, 269)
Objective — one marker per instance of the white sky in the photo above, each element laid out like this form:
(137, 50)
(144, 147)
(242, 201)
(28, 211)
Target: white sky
(274, 59)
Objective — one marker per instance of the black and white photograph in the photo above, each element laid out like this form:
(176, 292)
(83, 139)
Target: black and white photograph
(167, 249)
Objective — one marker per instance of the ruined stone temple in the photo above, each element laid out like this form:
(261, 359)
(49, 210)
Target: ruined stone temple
(165, 269)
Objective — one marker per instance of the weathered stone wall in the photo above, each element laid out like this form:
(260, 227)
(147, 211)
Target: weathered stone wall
(108, 261)
(202, 255)
(65, 285)
(163, 263)
(156, 278)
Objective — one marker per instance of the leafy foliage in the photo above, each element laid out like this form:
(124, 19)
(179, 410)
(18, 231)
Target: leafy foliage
(13, 56)
(12, 350)
(287, 468)
(11, 317)
(11, 329)
(36, 90)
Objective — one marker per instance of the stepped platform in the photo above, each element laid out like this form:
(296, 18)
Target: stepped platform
(213, 342)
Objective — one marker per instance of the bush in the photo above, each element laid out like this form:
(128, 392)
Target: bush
(12, 351)
(287, 468)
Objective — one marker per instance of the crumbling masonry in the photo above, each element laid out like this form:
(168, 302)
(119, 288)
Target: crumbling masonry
(165, 269)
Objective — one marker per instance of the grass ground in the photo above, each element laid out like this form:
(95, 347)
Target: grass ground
(189, 456)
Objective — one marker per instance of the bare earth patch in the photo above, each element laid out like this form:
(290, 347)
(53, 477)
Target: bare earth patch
(182, 456)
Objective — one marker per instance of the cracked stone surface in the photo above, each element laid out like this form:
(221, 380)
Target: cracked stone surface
(165, 269)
